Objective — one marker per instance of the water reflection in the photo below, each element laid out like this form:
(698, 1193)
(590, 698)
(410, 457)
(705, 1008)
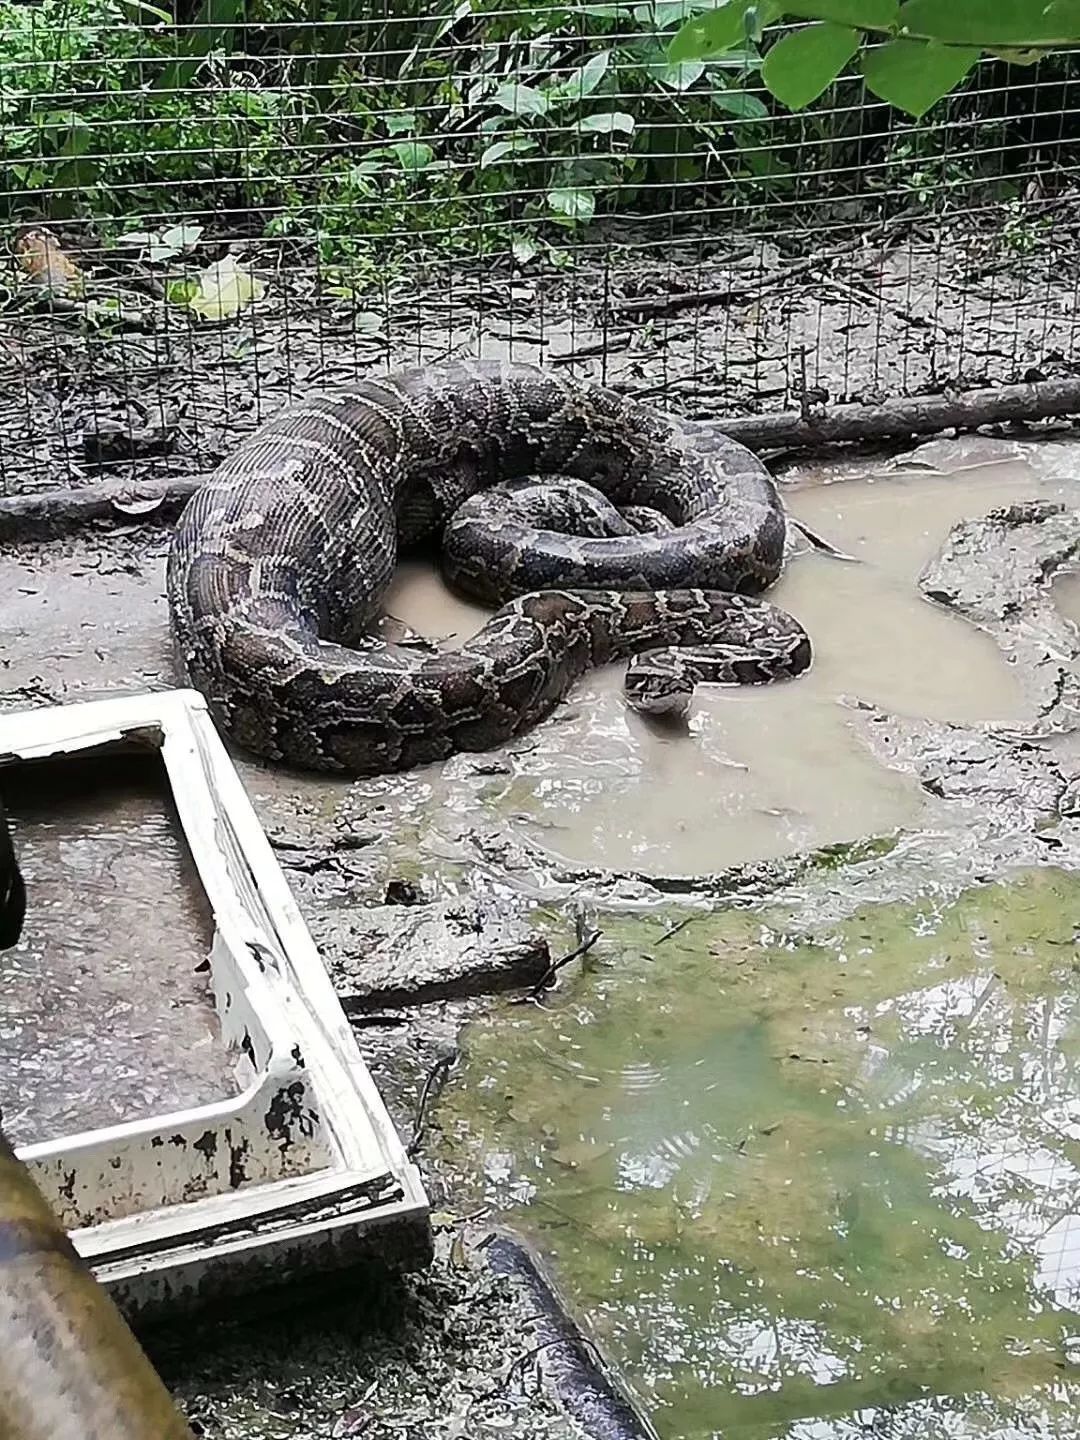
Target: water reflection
(812, 1190)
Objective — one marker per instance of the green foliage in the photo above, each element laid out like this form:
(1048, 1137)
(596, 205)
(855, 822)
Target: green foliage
(913, 74)
(81, 113)
(540, 115)
(428, 127)
(931, 45)
(989, 23)
(804, 63)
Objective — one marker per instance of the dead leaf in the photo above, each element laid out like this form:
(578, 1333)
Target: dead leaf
(224, 289)
(353, 1421)
(136, 505)
(42, 258)
(576, 1153)
(458, 1259)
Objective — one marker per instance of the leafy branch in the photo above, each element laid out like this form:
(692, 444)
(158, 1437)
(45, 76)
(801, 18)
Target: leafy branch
(910, 55)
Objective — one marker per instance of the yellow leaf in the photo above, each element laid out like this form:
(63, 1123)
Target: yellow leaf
(225, 288)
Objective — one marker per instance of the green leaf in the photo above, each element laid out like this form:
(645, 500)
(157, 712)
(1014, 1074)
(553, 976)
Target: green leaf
(363, 171)
(676, 77)
(863, 14)
(607, 123)
(79, 137)
(661, 14)
(400, 122)
(523, 248)
(520, 100)
(754, 21)
(212, 29)
(181, 292)
(914, 75)
(743, 57)
(76, 175)
(412, 155)
(573, 205)
(986, 23)
(582, 81)
(738, 102)
(665, 12)
(516, 145)
(147, 9)
(720, 30)
(802, 65)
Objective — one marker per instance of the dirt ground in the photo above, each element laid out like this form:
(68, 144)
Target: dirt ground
(124, 384)
(447, 1353)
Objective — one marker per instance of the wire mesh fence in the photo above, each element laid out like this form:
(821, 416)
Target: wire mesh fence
(209, 208)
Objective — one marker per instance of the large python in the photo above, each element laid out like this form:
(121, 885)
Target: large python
(278, 563)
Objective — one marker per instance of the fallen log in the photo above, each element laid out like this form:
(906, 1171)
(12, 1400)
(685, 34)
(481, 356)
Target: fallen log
(12, 887)
(901, 419)
(566, 1355)
(48, 514)
(70, 1369)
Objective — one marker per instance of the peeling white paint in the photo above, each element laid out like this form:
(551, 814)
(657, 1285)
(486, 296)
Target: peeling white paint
(302, 1168)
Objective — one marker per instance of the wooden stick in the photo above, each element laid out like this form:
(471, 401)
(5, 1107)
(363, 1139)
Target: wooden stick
(556, 965)
(641, 308)
(434, 1081)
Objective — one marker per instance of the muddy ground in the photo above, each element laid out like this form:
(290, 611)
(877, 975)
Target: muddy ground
(382, 867)
(447, 1352)
(123, 384)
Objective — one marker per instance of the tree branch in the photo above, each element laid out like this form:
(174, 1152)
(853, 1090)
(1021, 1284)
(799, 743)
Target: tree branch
(901, 419)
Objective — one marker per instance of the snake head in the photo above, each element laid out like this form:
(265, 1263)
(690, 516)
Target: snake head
(658, 686)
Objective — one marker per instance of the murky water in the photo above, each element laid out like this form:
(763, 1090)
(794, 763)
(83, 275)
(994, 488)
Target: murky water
(764, 772)
(811, 1190)
(810, 1187)
(761, 773)
(105, 1007)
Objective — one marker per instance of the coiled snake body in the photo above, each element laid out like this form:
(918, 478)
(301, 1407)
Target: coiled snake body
(278, 564)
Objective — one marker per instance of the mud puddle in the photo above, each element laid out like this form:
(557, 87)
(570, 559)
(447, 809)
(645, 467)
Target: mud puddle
(809, 1184)
(761, 774)
(88, 619)
(766, 772)
(105, 1014)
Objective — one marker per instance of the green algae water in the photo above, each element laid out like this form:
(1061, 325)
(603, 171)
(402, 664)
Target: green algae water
(809, 1187)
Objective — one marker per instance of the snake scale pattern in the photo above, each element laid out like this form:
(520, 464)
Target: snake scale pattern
(600, 528)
